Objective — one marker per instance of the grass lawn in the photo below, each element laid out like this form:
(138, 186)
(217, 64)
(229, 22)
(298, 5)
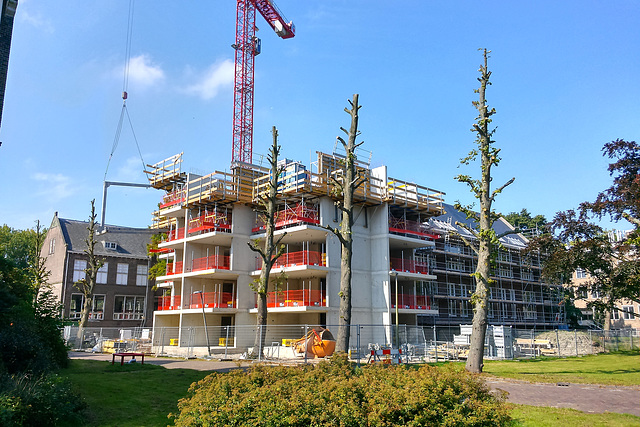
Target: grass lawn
(130, 395)
(143, 395)
(620, 368)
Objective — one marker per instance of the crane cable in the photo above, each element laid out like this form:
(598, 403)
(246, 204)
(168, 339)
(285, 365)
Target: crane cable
(125, 85)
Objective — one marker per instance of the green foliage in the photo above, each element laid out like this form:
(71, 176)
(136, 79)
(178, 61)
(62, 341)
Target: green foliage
(45, 400)
(524, 221)
(334, 393)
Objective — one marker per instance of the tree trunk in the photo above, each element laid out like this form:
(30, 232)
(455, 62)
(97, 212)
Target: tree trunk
(269, 252)
(482, 274)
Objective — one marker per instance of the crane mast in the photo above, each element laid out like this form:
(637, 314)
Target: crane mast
(247, 47)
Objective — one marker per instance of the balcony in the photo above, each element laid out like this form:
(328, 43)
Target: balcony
(212, 300)
(174, 268)
(172, 199)
(211, 262)
(412, 302)
(295, 259)
(290, 217)
(209, 223)
(410, 266)
(408, 228)
(175, 234)
(169, 302)
(296, 298)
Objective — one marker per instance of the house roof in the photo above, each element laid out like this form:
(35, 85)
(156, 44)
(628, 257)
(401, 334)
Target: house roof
(129, 242)
(447, 222)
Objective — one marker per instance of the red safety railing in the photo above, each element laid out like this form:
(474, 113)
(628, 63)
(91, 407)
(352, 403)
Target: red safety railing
(169, 302)
(210, 262)
(300, 214)
(175, 234)
(212, 300)
(208, 223)
(292, 259)
(174, 268)
(173, 198)
(411, 228)
(409, 266)
(413, 302)
(297, 298)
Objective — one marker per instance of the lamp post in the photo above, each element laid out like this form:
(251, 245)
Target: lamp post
(395, 275)
(204, 319)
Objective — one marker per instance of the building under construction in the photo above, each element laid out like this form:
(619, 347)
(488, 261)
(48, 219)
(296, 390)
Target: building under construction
(409, 268)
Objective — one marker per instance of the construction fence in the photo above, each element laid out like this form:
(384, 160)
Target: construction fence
(367, 342)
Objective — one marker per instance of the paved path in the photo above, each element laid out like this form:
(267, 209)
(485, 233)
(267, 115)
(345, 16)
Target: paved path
(583, 397)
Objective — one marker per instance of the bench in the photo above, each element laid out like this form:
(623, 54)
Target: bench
(123, 355)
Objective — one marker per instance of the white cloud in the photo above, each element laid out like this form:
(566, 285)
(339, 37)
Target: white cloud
(57, 186)
(143, 72)
(218, 76)
(131, 171)
(34, 19)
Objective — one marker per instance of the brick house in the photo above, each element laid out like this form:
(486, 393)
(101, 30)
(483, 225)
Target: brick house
(123, 294)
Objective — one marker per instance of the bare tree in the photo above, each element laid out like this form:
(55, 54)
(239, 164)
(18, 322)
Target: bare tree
(271, 250)
(351, 180)
(486, 241)
(94, 263)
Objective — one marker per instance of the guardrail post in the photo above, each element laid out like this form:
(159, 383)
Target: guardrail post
(358, 345)
(226, 342)
(306, 342)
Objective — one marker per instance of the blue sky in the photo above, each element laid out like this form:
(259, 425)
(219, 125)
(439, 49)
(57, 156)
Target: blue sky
(565, 82)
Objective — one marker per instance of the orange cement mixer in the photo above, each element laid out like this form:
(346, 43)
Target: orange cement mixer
(318, 343)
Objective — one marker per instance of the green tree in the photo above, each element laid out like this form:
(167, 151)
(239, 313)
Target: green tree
(271, 250)
(346, 187)
(486, 241)
(575, 241)
(524, 222)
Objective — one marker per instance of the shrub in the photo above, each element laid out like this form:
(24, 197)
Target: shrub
(334, 393)
(39, 401)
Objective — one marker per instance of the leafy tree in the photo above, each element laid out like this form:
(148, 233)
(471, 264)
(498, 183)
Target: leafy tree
(16, 245)
(351, 180)
(94, 263)
(622, 199)
(271, 250)
(575, 242)
(486, 241)
(524, 222)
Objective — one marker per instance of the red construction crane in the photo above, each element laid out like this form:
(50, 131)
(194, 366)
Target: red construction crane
(247, 46)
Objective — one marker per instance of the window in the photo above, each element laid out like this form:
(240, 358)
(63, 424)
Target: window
(504, 256)
(627, 312)
(112, 246)
(505, 272)
(455, 249)
(77, 302)
(455, 265)
(581, 274)
(465, 309)
(141, 275)
(79, 266)
(615, 314)
(528, 296)
(101, 277)
(122, 274)
(451, 289)
(52, 246)
(453, 308)
(127, 307)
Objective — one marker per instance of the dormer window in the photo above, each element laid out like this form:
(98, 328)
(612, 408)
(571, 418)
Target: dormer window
(112, 246)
